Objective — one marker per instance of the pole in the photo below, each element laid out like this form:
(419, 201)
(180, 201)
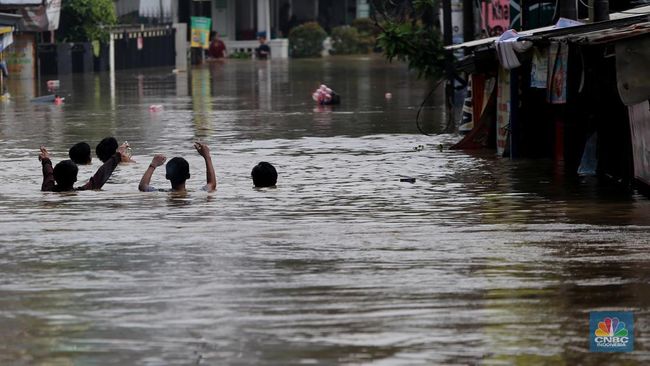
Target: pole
(568, 9)
(468, 20)
(449, 60)
(601, 10)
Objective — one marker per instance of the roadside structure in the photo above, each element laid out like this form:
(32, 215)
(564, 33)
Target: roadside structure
(578, 93)
(240, 22)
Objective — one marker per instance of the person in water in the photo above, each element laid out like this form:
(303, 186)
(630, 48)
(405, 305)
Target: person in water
(63, 176)
(217, 48)
(264, 175)
(80, 153)
(178, 171)
(263, 52)
(106, 148)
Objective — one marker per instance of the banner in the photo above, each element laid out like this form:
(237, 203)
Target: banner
(495, 17)
(201, 32)
(41, 18)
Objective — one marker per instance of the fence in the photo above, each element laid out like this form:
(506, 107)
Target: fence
(142, 47)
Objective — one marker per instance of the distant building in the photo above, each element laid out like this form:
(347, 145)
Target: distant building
(243, 20)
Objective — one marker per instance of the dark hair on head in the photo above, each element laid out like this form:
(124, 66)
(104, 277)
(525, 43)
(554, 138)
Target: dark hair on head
(178, 171)
(80, 153)
(65, 173)
(106, 148)
(264, 175)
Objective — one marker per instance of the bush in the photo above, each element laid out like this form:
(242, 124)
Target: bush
(366, 26)
(240, 55)
(306, 40)
(346, 40)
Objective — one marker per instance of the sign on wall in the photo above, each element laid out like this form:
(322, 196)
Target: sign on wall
(201, 32)
(495, 16)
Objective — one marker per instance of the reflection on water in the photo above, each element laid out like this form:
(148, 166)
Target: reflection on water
(480, 261)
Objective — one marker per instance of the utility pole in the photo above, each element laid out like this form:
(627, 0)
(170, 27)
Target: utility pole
(447, 39)
(468, 20)
(599, 10)
(568, 9)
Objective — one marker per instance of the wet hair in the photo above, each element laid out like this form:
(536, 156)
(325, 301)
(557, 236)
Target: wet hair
(80, 153)
(106, 148)
(178, 171)
(65, 173)
(264, 175)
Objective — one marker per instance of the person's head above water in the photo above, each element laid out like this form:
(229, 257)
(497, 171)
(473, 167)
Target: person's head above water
(178, 171)
(106, 148)
(264, 175)
(80, 153)
(65, 174)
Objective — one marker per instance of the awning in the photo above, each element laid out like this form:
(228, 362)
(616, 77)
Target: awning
(7, 19)
(621, 19)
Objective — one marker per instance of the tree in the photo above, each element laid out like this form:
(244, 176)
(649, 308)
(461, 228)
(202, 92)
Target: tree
(408, 33)
(83, 20)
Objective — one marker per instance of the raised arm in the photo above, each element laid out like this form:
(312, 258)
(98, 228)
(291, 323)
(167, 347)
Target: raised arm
(157, 161)
(48, 171)
(104, 172)
(211, 177)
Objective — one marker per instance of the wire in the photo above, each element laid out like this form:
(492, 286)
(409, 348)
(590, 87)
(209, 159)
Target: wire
(417, 117)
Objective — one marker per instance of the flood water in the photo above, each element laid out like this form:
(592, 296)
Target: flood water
(480, 261)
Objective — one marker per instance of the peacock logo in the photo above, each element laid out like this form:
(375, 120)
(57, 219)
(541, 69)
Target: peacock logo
(611, 331)
(611, 327)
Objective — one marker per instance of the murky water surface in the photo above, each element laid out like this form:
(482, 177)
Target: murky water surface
(480, 261)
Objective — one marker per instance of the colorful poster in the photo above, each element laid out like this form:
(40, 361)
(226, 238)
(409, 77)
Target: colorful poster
(558, 56)
(503, 111)
(201, 32)
(495, 17)
(20, 57)
(539, 69)
(640, 130)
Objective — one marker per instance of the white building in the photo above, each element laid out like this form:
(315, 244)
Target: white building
(238, 22)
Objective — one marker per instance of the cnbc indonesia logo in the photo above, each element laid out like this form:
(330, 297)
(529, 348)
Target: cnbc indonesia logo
(611, 333)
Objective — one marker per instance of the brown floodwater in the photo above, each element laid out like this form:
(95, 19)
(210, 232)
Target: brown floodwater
(480, 261)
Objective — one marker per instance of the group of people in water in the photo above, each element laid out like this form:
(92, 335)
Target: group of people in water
(63, 176)
(217, 48)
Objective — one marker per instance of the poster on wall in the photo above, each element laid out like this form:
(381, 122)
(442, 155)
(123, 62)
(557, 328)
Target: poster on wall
(201, 32)
(495, 17)
(20, 57)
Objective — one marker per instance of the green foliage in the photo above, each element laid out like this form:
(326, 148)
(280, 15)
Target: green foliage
(346, 40)
(306, 40)
(365, 26)
(407, 34)
(83, 20)
(240, 55)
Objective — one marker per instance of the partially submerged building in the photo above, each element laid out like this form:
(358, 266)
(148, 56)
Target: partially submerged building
(577, 93)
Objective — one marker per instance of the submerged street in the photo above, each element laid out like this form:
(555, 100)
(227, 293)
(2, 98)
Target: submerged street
(480, 261)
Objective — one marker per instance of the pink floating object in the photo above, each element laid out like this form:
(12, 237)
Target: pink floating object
(155, 107)
(388, 95)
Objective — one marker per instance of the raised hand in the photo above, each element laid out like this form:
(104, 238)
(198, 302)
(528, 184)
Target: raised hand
(44, 154)
(202, 149)
(158, 160)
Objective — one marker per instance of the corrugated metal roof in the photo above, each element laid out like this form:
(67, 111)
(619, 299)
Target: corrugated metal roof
(616, 20)
(8, 19)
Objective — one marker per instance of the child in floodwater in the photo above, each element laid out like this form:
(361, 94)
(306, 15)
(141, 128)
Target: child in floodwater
(106, 148)
(264, 175)
(80, 153)
(63, 176)
(178, 171)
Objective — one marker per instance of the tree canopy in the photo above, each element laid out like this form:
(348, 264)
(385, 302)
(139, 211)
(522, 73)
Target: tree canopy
(409, 33)
(83, 20)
